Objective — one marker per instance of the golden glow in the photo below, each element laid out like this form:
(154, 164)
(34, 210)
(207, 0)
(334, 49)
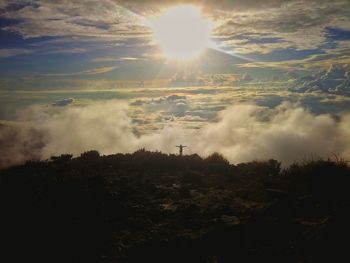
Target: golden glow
(182, 32)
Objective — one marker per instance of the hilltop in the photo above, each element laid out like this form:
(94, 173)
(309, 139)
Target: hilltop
(154, 207)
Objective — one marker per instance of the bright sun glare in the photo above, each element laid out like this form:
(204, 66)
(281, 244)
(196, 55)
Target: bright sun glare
(182, 32)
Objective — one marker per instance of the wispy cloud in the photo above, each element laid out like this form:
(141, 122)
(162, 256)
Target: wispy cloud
(94, 71)
(5, 53)
(115, 59)
(63, 102)
(67, 51)
(76, 18)
(290, 22)
(340, 54)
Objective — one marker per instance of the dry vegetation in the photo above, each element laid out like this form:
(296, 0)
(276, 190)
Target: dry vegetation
(153, 207)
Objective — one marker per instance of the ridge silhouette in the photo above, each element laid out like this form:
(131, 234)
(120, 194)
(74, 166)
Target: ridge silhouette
(155, 207)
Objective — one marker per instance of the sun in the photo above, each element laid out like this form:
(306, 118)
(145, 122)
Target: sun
(182, 32)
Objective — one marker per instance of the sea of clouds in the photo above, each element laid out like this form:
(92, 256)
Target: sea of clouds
(243, 132)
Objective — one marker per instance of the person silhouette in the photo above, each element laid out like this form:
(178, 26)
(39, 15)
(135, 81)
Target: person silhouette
(181, 147)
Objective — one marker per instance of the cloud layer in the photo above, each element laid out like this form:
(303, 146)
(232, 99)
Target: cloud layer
(336, 79)
(241, 133)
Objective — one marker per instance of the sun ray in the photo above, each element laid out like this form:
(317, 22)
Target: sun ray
(232, 53)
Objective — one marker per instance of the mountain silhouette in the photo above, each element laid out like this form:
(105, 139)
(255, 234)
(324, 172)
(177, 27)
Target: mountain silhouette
(154, 207)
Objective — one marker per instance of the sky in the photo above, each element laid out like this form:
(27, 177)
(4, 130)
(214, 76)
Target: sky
(252, 79)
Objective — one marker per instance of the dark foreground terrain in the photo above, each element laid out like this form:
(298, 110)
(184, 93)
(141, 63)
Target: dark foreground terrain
(152, 207)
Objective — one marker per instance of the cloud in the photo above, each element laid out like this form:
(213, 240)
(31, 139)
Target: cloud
(148, 6)
(63, 102)
(114, 59)
(185, 79)
(97, 71)
(245, 78)
(336, 79)
(42, 131)
(242, 133)
(67, 51)
(129, 59)
(339, 53)
(257, 43)
(289, 22)
(72, 18)
(242, 27)
(94, 71)
(170, 106)
(5, 53)
(19, 142)
(287, 133)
